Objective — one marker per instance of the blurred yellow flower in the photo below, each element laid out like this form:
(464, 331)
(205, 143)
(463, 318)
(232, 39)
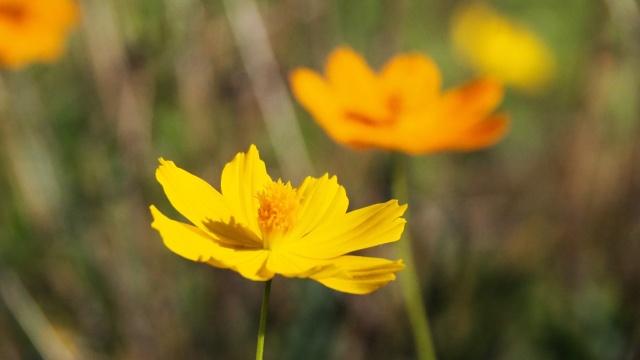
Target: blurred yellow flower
(34, 30)
(260, 227)
(497, 46)
(401, 108)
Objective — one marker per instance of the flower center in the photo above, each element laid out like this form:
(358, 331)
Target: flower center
(279, 203)
(388, 115)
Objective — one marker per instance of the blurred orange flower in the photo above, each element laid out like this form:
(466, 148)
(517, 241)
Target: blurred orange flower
(34, 30)
(402, 108)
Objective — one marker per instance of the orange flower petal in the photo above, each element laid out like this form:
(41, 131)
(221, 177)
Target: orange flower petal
(413, 82)
(472, 102)
(356, 86)
(484, 134)
(315, 94)
(34, 30)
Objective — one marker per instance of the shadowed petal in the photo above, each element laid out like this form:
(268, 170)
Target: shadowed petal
(249, 263)
(361, 275)
(186, 240)
(196, 245)
(292, 265)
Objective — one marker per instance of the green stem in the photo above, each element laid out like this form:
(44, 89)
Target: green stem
(409, 279)
(263, 319)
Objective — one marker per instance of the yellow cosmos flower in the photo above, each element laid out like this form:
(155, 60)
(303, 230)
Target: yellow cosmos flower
(260, 227)
(401, 108)
(34, 30)
(495, 45)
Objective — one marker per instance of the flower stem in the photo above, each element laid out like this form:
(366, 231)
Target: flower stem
(409, 279)
(263, 319)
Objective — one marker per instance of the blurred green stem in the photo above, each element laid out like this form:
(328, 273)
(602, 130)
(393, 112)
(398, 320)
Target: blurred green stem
(263, 319)
(409, 282)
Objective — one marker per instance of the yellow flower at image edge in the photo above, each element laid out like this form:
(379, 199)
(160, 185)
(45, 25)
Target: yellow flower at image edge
(34, 30)
(499, 46)
(260, 227)
(401, 108)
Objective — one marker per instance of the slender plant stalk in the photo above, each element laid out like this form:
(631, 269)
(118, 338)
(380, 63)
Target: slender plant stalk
(263, 320)
(409, 279)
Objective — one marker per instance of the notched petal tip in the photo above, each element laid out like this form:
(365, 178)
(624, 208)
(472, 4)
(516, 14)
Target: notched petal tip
(253, 149)
(402, 207)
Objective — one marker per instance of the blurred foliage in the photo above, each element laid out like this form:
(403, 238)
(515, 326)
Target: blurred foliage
(528, 250)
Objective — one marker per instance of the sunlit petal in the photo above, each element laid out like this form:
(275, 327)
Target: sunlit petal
(322, 200)
(359, 229)
(194, 198)
(241, 181)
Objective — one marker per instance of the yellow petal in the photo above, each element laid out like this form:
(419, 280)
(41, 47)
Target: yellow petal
(186, 240)
(194, 244)
(292, 265)
(361, 275)
(322, 200)
(248, 263)
(191, 196)
(370, 226)
(241, 181)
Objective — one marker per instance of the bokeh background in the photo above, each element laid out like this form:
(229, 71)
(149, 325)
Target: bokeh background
(527, 250)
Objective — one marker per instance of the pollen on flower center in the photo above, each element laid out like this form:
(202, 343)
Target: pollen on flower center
(279, 203)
